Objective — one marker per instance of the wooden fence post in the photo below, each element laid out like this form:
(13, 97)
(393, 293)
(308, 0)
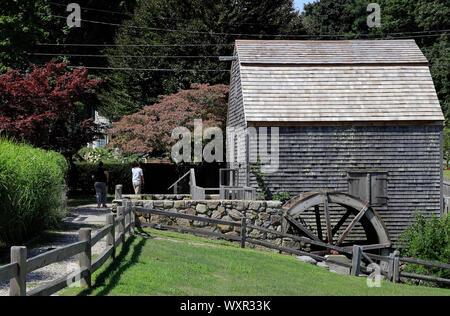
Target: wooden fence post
(125, 215)
(84, 234)
(243, 232)
(356, 262)
(396, 269)
(111, 237)
(132, 218)
(118, 193)
(18, 285)
(121, 213)
(390, 267)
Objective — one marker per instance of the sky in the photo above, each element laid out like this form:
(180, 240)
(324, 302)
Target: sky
(300, 3)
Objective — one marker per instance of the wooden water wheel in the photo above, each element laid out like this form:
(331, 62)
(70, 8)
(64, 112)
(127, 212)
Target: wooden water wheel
(335, 218)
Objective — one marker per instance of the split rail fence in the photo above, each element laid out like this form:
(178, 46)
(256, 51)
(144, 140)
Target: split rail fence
(359, 254)
(20, 266)
(126, 221)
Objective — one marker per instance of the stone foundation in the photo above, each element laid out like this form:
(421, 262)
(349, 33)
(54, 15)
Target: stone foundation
(267, 214)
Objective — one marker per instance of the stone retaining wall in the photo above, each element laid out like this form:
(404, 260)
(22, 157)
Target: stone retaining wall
(267, 214)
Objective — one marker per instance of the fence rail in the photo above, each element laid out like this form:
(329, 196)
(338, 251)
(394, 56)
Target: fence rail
(125, 222)
(17, 270)
(358, 253)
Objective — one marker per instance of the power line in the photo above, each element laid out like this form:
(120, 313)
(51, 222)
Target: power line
(111, 56)
(155, 29)
(261, 24)
(163, 18)
(144, 56)
(92, 9)
(175, 70)
(131, 45)
(151, 69)
(259, 35)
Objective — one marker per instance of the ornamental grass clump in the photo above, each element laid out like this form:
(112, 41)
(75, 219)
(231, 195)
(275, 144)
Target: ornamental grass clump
(32, 186)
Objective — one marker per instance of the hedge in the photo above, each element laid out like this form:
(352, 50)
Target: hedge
(32, 185)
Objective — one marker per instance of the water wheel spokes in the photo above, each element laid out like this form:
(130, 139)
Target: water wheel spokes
(326, 222)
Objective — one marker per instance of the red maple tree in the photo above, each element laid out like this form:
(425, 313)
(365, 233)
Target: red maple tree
(47, 107)
(150, 130)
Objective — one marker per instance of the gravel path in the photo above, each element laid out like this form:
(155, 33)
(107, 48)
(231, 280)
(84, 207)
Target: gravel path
(80, 217)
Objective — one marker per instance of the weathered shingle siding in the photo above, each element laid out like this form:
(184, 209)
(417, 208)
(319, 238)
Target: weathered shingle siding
(236, 120)
(318, 158)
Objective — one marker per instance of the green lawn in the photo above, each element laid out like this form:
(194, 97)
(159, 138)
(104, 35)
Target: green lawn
(447, 174)
(200, 267)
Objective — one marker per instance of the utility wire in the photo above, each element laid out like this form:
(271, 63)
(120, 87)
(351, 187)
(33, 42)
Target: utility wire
(173, 70)
(131, 45)
(155, 29)
(152, 69)
(174, 57)
(261, 24)
(162, 18)
(111, 56)
(201, 44)
(258, 35)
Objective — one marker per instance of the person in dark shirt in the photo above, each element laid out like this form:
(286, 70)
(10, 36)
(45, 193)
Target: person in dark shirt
(101, 178)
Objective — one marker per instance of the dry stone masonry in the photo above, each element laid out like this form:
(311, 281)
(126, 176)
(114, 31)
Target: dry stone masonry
(267, 214)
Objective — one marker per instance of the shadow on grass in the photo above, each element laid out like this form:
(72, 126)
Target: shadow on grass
(110, 277)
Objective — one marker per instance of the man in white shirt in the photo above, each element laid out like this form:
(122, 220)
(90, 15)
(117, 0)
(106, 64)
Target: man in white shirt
(138, 178)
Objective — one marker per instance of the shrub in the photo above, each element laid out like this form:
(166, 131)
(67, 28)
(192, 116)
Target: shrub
(282, 196)
(94, 155)
(428, 239)
(32, 184)
(256, 171)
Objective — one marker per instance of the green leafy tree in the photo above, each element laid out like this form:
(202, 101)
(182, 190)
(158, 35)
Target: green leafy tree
(191, 22)
(349, 18)
(447, 146)
(22, 24)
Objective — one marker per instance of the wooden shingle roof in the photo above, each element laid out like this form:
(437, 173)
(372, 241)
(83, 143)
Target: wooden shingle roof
(336, 81)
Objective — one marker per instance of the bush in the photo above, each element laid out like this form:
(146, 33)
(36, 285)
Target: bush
(32, 184)
(428, 239)
(282, 196)
(94, 155)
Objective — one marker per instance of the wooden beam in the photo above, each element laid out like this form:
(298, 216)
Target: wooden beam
(353, 224)
(188, 217)
(341, 222)
(182, 230)
(18, 284)
(318, 223)
(59, 284)
(327, 219)
(8, 271)
(56, 255)
(356, 261)
(301, 228)
(302, 239)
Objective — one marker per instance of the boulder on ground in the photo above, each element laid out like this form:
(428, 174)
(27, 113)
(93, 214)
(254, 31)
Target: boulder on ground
(307, 259)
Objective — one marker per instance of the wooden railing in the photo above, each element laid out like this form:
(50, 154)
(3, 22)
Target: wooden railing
(125, 222)
(359, 254)
(20, 266)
